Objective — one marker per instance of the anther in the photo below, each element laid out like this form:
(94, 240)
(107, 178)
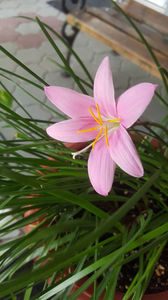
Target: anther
(97, 120)
(106, 136)
(115, 120)
(97, 137)
(89, 129)
(98, 112)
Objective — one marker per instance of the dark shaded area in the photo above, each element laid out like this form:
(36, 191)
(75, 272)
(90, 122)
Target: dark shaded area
(97, 3)
(37, 288)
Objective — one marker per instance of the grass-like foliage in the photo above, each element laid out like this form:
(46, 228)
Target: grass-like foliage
(75, 232)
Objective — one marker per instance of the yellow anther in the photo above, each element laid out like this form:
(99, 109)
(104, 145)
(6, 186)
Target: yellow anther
(97, 120)
(101, 127)
(106, 136)
(98, 112)
(97, 137)
(90, 129)
(115, 120)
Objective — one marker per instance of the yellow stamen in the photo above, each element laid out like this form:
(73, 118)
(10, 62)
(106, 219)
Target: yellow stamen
(97, 137)
(98, 112)
(97, 120)
(106, 136)
(90, 129)
(115, 120)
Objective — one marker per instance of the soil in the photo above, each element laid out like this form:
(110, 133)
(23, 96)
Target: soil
(159, 280)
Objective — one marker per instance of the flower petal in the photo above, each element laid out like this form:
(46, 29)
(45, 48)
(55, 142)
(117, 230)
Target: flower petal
(123, 152)
(132, 103)
(101, 168)
(70, 102)
(104, 89)
(66, 131)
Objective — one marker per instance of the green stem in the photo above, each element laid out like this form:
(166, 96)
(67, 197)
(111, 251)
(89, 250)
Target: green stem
(161, 99)
(148, 123)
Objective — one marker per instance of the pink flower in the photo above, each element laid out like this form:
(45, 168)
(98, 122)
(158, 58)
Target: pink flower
(104, 121)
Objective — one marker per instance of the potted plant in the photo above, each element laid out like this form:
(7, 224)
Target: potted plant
(87, 234)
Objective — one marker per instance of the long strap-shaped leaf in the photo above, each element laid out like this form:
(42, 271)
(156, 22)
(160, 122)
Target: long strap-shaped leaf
(71, 72)
(22, 77)
(18, 62)
(18, 118)
(84, 242)
(67, 46)
(34, 98)
(19, 104)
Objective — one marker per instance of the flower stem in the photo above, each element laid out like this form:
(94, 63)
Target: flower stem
(148, 123)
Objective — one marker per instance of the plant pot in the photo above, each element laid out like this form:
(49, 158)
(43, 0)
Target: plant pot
(86, 295)
(29, 227)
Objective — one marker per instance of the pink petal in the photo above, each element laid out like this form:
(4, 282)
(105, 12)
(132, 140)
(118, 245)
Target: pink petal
(132, 103)
(104, 89)
(123, 152)
(101, 168)
(68, 101)
(66, 131)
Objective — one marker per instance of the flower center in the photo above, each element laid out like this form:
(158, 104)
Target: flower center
(105, 125)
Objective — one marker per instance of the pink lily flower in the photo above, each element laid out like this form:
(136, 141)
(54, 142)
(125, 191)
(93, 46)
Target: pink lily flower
(103, 121)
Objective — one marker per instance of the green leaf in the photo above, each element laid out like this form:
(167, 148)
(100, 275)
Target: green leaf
(61, 56)
(18, 62)
(66, 45)
(6, 98)
(63, 259)
(24, 179)
(23, 78)
(28, 293)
